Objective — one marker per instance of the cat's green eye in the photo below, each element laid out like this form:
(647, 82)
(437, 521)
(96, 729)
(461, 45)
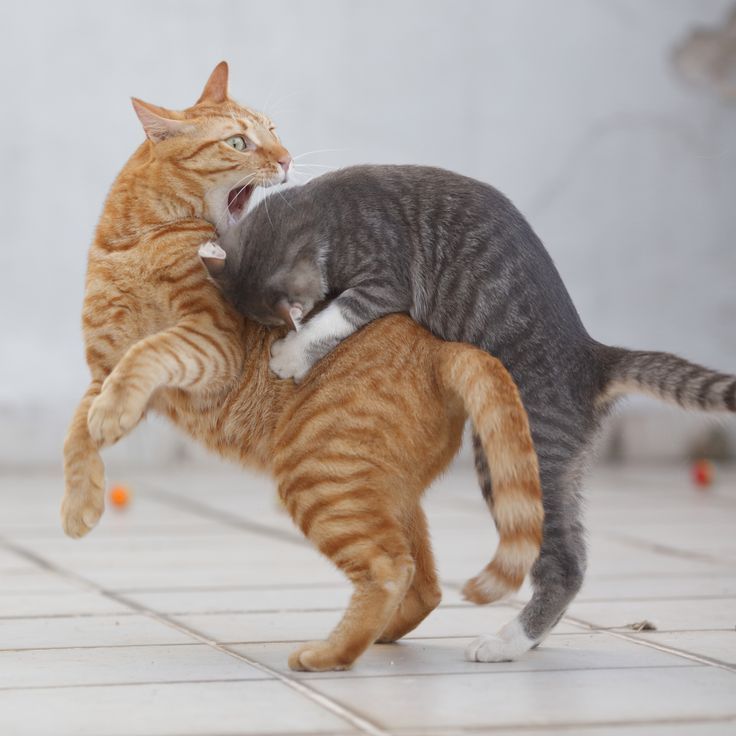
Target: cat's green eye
(237, 142)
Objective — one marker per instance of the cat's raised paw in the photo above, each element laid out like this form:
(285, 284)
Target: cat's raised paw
(317, 656)
(289, 358)
(113, 414)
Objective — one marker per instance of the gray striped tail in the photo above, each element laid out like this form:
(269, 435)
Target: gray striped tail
(666, 377)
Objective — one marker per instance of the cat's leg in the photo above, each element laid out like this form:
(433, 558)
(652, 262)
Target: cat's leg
(558, 573)
(295, 354)
(84, 473)
(353, 524)
(192, 355)
(425, 594)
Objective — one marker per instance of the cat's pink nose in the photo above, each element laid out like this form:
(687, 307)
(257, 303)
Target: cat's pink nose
(285, 163)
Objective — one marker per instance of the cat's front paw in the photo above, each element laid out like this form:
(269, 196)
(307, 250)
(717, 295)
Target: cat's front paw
(318, 656)
(114, 413)
(289, 357)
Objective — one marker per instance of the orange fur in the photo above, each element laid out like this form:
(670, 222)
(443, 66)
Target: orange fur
(352, 448)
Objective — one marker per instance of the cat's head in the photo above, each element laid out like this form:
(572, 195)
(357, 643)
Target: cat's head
(216, 152)
(269, 305)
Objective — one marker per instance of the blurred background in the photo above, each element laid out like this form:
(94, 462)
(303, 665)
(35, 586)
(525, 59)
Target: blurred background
(610, 123)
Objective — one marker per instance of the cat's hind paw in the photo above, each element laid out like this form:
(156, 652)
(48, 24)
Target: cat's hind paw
(509, 644)
(84, 498)
(317, 656)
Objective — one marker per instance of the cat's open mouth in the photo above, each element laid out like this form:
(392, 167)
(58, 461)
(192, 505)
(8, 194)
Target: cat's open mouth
(237, 200)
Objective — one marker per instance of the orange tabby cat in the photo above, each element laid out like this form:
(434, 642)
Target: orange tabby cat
(352, 448)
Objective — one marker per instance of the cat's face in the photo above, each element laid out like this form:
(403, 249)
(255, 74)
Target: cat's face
(217, 149)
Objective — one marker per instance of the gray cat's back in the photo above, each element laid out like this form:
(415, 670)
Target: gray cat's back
(479, 272)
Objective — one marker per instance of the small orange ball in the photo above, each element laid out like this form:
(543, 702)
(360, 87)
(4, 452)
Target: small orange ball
(702, 473)
(119, 496)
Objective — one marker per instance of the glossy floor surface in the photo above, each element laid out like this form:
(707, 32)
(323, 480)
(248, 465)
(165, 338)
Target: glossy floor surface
(177, 614)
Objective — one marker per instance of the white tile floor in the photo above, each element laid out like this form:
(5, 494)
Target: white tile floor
(176, 616)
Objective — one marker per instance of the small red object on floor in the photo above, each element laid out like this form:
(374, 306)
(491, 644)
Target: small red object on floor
(702, 473)
(119, 496)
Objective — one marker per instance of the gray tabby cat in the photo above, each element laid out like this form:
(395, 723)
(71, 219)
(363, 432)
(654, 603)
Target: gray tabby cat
(460, 258)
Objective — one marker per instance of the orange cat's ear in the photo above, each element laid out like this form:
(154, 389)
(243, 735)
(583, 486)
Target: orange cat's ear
(216, 88)
(155, 122)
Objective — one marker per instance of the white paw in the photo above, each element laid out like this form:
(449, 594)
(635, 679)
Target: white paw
(510, 643)
(289, 357)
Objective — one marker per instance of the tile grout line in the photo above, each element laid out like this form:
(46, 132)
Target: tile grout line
(234, 521)
(699, 658)
(571, 727)
(335, 708)
(588, 626)
(665, 550)
(335, 676)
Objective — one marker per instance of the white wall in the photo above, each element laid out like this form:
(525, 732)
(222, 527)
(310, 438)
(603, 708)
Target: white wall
(571, 107)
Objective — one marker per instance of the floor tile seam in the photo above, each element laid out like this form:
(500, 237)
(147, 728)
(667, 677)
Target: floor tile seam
(354, 719)
(232, 588)
(666, 550)
(84, 647)
(671, 575)
(676, 651)
(656, 599)
(498, 672)
(571, 726)
(227, 612)
(141, 683)
(231, 520)
(332, 677)
(587, 625)
(239, 643)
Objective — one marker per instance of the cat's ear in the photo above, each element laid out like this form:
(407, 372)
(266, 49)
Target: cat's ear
(216, 88)
(290, 313)
(155, 121)
(213, 257)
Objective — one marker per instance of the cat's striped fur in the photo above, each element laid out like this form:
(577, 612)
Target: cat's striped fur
(352, 448)
(462, 260)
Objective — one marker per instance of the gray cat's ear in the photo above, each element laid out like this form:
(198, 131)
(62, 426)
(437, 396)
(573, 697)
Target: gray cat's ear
(156, 121)
(216, 88)
(289, 312)
(213, 257)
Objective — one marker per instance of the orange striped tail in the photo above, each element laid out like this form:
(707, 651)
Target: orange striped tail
(494, 406)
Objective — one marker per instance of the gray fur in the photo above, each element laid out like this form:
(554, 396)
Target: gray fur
(459, 257)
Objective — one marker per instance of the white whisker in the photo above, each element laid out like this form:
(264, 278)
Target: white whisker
(317, 166)
(279, 101)
(265, 205)
(321, 150)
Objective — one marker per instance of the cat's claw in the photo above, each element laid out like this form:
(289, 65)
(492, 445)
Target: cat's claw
(113, 414)
(317, 656)
(289, 358)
